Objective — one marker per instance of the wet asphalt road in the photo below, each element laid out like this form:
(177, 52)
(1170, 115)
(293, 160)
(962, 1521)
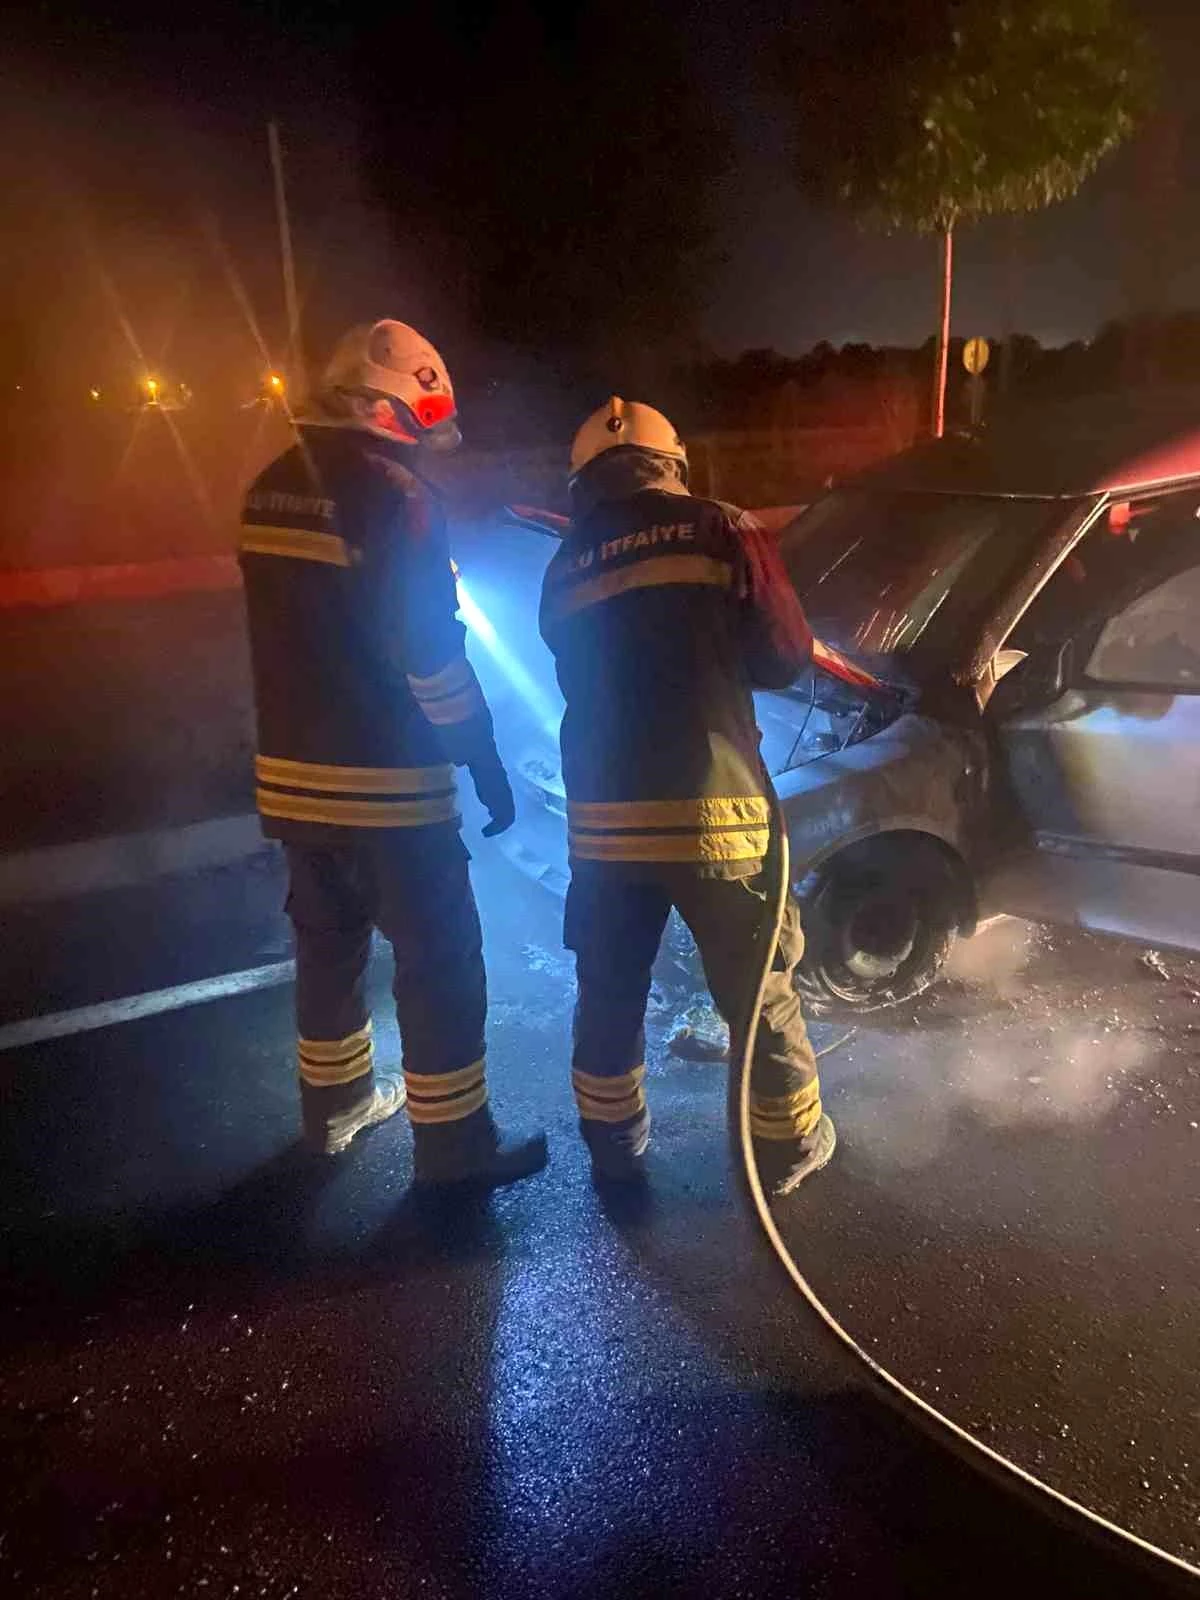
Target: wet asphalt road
(226, 1371)
(1013, 1225)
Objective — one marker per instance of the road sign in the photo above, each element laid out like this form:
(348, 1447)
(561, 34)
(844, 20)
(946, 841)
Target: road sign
(975, 356)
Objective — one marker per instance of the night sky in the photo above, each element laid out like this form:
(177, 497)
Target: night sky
(149, 121)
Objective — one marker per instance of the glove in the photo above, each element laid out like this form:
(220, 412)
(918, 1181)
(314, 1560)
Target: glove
(495, 795)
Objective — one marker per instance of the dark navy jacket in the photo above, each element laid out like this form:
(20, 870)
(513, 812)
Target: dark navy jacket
(365, 698)
(663, 612)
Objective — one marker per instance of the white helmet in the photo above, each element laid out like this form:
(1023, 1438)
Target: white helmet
(625, 424)
(388, 379)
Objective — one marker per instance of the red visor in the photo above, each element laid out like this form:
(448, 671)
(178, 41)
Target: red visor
(431, 409)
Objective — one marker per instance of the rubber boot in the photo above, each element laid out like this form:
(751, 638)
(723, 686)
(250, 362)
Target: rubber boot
(334, 1133)
(618, 1153)
(783, 1167)
(474, 1152)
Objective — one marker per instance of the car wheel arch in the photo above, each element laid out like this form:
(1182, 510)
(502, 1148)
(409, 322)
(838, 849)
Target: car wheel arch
(901, 833)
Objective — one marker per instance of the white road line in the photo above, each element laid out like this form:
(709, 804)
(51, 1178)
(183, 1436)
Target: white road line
(109, 1013)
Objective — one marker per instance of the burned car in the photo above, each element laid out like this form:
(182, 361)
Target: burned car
(1003, 713)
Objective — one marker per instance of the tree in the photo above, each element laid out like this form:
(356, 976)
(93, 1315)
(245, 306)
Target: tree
(931, 115)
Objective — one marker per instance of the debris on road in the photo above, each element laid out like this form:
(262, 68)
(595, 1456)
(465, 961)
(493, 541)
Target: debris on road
(701, 1033)
(1153, 962)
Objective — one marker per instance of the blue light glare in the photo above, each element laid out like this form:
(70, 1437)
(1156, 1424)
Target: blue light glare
(542, 706)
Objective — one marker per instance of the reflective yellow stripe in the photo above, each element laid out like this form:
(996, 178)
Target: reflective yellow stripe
(447, 1110)
(328, 1077)
(610, 1099)
(786, 1105)
(643, 575)
(302, 544)
(800, 1129)
(358, 813)
(610, 1110)
(326, 1062)
(352, 780)
(449, 709)
(714, 811)
(442, 1083)
(336, 1049)
(791, 1116)
(748, 844)
(622, 1084)
(458, 675)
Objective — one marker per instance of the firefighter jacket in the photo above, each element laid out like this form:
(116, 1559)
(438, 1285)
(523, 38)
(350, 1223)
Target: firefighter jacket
(365, 698)
(663, 611)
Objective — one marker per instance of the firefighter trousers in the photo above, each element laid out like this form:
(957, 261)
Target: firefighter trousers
(417, 892)
(614, 924)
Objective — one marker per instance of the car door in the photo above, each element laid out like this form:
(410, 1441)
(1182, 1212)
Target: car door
(1104, 779)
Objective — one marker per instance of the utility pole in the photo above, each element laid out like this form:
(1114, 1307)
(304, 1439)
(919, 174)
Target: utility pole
(295, 357)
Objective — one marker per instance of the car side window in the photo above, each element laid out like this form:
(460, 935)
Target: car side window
(1126, 539)
(1155, 641)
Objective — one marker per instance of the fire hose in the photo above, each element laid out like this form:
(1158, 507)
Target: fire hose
(939, 1428)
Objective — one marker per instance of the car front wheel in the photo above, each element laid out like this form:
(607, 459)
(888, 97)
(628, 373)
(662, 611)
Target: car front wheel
(879, 920)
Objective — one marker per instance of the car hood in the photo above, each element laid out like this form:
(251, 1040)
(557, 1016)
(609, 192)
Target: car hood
(838, 701)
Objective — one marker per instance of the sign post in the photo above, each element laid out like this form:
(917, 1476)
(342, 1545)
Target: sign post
(976, 353)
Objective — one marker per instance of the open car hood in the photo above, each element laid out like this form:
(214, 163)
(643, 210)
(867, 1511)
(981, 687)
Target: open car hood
(825, 658)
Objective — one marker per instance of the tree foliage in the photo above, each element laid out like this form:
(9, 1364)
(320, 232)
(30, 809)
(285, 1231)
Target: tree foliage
(938, 112)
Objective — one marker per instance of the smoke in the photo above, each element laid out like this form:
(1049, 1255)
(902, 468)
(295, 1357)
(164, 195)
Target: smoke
(996, 957)
(1000, 1047)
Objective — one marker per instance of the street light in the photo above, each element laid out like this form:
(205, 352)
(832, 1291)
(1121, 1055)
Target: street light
(151, 388)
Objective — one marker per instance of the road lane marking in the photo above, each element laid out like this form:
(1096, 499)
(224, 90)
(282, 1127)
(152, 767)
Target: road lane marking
(130, 1008)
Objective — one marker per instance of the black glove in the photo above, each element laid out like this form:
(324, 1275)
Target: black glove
(495, 795)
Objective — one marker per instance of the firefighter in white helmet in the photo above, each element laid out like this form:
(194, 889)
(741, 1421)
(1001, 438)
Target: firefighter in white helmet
(366, 703)
(663, 611)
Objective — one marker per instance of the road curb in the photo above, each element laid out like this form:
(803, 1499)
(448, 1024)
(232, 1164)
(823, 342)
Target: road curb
(123, 861)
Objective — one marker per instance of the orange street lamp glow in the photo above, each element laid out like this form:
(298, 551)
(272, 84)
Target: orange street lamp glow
(275, 383)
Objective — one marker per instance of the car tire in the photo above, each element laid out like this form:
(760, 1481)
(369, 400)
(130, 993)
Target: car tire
(879, 921)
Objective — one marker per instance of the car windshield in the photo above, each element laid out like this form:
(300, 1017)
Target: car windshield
(880, 571)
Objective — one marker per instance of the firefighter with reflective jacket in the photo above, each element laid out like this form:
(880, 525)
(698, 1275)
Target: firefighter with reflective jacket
(366, 702)
(663, 611)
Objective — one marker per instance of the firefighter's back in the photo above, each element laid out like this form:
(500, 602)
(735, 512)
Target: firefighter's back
(660, 748)
(342, 740)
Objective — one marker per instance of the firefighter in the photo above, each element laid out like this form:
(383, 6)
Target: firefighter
(662, 611)
(366, 703)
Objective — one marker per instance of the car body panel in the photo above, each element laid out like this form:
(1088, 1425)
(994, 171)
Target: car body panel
(917, 775)
(1132, 900)
(1108, 784)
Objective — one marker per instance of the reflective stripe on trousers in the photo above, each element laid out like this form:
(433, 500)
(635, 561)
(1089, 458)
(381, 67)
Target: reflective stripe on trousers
(614, 924)
(418, 893)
